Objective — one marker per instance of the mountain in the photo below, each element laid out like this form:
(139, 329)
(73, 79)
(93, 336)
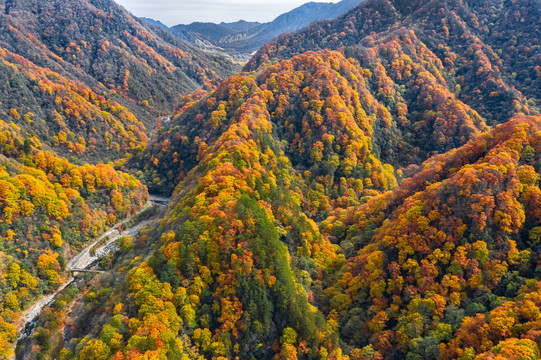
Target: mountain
(447, 258)
(240, 25)
(436, 265)
(205, 36)
(155, 22)
(295, 19)
(484, 68)
(346, 203)
(249, 37)
(82, 80)
(215, 32)
(91, 88)
(367, 188)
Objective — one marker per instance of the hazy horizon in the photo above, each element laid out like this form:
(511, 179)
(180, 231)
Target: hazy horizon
(174, 12)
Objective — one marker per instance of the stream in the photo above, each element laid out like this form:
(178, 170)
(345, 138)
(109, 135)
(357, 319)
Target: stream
(82, 261)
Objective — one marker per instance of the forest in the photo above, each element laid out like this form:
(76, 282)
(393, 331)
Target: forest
(365, 188)
(76, 96)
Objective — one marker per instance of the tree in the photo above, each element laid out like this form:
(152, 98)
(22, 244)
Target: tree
(95, 349)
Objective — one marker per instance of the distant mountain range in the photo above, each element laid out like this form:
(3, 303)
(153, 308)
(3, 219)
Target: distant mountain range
(155, 22)
(216, 32)
(242, 38)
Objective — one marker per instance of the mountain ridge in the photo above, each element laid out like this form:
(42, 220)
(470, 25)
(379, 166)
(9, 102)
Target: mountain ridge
(93, 56)
(155, 22)
(255, 35)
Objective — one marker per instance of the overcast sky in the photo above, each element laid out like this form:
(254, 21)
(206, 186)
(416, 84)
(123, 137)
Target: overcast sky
(173, 12)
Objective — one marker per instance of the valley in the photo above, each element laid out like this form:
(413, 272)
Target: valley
(83, 262)
(239, 40)
(366, 187)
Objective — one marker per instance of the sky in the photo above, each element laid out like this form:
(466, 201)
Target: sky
(173, 12)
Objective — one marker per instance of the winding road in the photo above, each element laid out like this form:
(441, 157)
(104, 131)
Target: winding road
(28, 321)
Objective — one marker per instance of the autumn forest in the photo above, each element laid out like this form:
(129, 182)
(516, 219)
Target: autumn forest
(364, 188)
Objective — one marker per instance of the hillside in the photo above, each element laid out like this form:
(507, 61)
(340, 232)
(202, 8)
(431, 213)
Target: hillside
(92, 88)
(368, 188)
(240, 237)
(215, 32)
(314, 179)
(250, 37)
(82, 80)
(155, 22)
(454, 248)
(495, 77)
(49, 210)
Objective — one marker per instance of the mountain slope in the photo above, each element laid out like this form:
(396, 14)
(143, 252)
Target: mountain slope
(453, 243)
(215, 32)
(240, 25)
(296, 86)
(105, 71)
(49, 210)
(458, 33)
(227, 241)
(155, 22)
(81, 79)
(256, 164)
(342, 203)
